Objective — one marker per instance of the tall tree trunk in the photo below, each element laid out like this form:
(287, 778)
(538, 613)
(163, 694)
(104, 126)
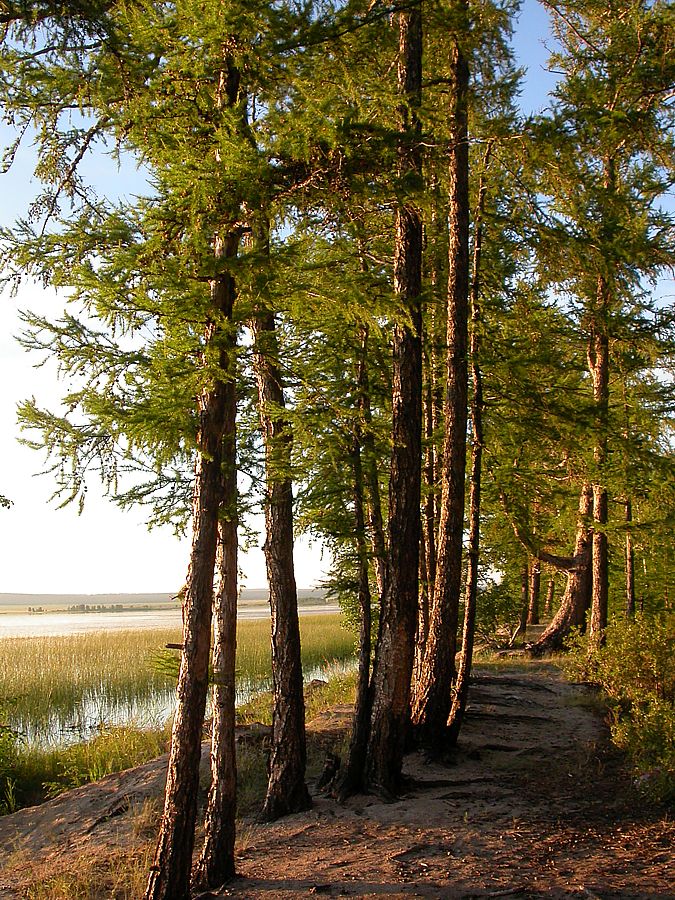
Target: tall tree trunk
(431, 702)
(461, 693)
(428, 538)
(352, 782)
(369, 467)
(598, 364)
(630, 562)
(598, 360)
(286, 789)
(170, 873)
(575, 600)
(535, 590)
(395, 650)
(550, 593)
(216, 864)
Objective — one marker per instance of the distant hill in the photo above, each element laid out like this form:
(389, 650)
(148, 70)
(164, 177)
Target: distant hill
(63, 601)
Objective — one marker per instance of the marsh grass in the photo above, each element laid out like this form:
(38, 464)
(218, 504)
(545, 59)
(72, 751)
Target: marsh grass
(69, 687)
(51, 684)
(95, 684)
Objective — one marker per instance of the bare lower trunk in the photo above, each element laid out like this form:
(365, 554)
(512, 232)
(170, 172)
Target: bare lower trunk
(432, 699)
(598, 365)
(429, 517)
(216, 864)
(352, 782)
(286, 789)
(461, 692)
(600, 585)
(370, 467)
(550, 593)
(170, 873)
(630, 562)
(575, 600)
(392, 670)
(535, 589)
(428, 536)
(598, 361)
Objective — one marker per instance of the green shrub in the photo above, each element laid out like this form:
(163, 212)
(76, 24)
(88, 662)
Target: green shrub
(9, 747)
(636, 671)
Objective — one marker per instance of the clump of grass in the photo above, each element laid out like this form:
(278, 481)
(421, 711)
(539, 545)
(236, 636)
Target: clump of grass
(38, 773)
(120, 875)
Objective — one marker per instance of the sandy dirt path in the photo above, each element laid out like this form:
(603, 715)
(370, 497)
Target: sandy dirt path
(534, 803)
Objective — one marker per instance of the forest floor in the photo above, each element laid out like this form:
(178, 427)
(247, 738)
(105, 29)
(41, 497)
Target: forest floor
(534, 803)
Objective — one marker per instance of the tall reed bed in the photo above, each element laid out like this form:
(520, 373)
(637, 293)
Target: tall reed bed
(50, 685)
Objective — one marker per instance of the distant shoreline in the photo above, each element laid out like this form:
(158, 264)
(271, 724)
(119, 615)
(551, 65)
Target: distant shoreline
(39, 604)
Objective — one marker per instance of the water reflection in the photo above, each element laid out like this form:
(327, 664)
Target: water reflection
(96, 712)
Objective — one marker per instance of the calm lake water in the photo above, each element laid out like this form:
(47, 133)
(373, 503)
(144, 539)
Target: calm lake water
(98, 710)
(55, 623)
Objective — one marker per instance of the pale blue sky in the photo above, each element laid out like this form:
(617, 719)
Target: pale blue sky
(49, 550)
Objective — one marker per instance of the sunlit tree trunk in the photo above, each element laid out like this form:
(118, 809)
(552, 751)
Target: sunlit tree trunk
(432, 698)
(630, 561)
(461, 693)
(286, 789)
(598, 359)
(352, 781)
(576, 599)
(170, 873)
(535, 590)
(216, 864)
(550, 593)
(398, 620)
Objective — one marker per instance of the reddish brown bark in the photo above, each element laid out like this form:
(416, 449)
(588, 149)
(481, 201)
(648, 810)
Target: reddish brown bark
(461, 693)
(370, 473)
(598, 362)
(392, 670)
(576, 599)
(170, 872)
(216, 864)
(353, 778)
(431, 702)
(630, 562)
(550, 593)
(286, 788)
(535, 590)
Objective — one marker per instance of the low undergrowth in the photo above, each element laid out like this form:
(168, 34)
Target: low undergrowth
(119, 875)
(36, 773)
(635, 670)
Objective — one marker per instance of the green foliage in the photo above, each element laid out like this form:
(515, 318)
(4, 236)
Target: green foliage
(9, 750)
(636, 671)
(38, 773)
